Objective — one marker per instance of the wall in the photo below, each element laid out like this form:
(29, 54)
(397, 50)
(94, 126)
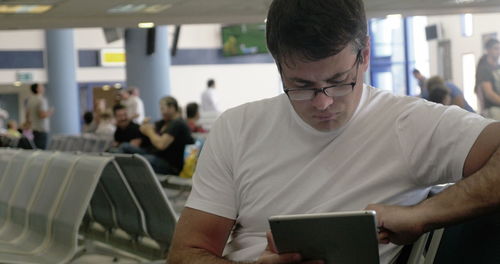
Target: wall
(236, 84)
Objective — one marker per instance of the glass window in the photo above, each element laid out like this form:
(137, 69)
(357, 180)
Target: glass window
(466, 25)
(469, 79)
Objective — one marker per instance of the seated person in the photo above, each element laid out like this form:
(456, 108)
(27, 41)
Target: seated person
(457, 96)
(12, 129)
(169, 137)
(192, 117)
(440, 95)
(89, 124)
(127, 137)
(106, 126)
(332, 143)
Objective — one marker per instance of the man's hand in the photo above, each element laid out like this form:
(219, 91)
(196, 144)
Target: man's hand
(147, 129)
(398, 224)
(271, 256)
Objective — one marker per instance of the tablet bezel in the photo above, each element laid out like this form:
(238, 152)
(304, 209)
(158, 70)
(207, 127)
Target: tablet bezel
(337, 237)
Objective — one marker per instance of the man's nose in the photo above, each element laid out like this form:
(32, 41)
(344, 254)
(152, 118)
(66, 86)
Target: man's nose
(322, 101)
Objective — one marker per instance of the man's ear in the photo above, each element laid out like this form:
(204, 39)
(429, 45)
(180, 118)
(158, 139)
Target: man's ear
(365, 54)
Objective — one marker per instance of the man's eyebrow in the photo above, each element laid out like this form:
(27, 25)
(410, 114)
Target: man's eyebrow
(336, 76)
(296, 79)
(330, 79)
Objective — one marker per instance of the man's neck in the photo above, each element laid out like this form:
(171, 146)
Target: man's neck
(124, 126)
(492, 61)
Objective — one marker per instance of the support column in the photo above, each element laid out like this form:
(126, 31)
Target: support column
(148, 72)
(62, 89)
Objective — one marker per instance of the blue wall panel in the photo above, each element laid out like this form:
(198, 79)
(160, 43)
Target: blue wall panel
(21, 59)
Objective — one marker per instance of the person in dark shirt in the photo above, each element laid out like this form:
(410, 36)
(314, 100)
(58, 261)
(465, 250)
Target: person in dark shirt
(127, 138)
(488, 80)
(169, 137)
(126, 130)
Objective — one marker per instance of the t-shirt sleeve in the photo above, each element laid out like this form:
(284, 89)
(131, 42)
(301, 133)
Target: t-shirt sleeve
(484, 75)
(455, 91)
(213, 186)
(180, 131)
(436, 140)
(43, 105)
(136, 132)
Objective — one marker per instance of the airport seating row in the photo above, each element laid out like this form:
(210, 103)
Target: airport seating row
(129, 198)
(45, 196)
(84, 143)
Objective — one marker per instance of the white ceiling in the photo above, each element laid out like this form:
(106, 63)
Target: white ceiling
(93, 13)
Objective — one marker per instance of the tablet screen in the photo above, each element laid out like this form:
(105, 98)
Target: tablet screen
(337, 238)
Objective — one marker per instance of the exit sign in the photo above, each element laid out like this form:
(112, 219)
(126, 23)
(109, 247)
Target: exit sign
(24, 77)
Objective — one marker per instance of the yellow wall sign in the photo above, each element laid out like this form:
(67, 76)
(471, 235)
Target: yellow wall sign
(113, 57)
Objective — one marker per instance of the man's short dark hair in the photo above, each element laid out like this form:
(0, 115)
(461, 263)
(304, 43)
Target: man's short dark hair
(117, 107)
(191, 110)
(34, 88)
(415, 71)
(438, 95)
(314, 29)
(210, 83)
(170, 101)
(490, 43)
(88, 117)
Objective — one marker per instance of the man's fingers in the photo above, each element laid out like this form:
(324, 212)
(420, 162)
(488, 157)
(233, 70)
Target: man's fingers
(270, 242)
(282, 259)
(383, 237)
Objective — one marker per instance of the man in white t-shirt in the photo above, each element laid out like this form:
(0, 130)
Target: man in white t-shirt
(209, 98)
(332, 143)
(38, 114)
(136, 106)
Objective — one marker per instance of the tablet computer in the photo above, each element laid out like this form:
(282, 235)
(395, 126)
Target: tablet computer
(340, 238)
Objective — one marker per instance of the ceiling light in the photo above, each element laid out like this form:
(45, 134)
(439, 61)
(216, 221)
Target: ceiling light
(117, 86)
(146, 25)
(106, 88)
(17, 84)
(394, 16)
(464, 2)
(141, 8)
(156, 8)
(24, 9)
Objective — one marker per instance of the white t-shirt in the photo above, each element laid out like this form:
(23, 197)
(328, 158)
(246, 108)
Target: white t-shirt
(261, 159)
(37, 103)
(136, 106)
(209, 101)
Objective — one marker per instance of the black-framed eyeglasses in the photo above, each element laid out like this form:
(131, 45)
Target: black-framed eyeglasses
(337, 90)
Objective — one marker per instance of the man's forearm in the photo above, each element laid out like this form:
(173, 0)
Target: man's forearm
(475, 195)
(198, 256)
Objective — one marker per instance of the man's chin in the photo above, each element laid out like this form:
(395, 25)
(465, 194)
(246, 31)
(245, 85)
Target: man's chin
(327, 126)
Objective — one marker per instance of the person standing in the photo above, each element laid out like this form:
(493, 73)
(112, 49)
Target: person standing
(488, 80)
(38, 114)
(135, 106)
(424, 93)
(209, 99)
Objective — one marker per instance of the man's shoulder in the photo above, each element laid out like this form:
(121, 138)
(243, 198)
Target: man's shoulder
(34, 100)
(383, 101)
(261, 113)
(264, 105)
(133, 126)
